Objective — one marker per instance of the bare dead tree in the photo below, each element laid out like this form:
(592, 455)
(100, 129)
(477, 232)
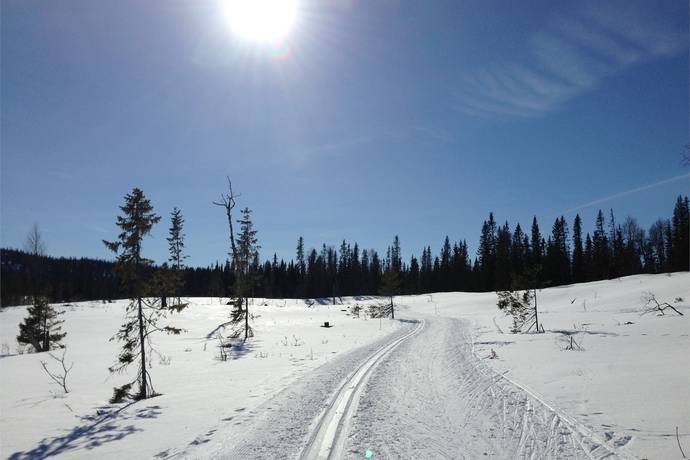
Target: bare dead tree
(227, 201)
(652, 305)
(34, 243)
(59, 377)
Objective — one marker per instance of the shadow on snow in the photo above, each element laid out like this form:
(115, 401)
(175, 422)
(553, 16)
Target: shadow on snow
(97, 429)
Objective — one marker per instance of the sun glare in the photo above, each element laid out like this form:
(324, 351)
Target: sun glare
(261, 20)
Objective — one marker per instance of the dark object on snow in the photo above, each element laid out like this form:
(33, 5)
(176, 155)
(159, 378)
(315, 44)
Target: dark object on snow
(326, 324)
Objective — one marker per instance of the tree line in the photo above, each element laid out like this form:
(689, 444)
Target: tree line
(562, 255)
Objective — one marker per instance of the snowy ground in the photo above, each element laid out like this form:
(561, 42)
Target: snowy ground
(630, 385)
(420, 388)
(200, 393)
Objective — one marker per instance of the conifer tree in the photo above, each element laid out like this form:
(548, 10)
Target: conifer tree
(143, 313)
(41, 328)
(601, 255)
(390, 287)
(680, 235)
(536, 244)
(246, 269)
(503, 257)
(578, 251)
(486, 253)
(177, 256)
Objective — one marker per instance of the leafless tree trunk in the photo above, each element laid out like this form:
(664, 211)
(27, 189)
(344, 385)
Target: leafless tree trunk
(228, 202)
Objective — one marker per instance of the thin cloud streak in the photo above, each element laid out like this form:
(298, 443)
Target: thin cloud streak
(568, 57)
(626, 193)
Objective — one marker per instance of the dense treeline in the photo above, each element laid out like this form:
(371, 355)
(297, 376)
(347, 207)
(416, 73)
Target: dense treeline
(559, 256)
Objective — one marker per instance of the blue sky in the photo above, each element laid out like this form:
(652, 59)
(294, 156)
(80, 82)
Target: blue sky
(373, 118)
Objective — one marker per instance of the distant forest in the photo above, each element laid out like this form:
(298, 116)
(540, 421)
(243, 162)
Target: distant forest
(506, 258)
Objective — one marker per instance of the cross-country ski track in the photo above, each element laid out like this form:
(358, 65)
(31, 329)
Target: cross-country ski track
(420, 393)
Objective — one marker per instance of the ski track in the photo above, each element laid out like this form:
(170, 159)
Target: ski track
(427, 396)
(434, 398)
(282, 426)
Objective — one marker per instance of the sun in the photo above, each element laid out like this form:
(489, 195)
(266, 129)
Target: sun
(261, 20)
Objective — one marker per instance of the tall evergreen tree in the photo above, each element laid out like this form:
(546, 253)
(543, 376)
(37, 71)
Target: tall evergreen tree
(446, 254)
(536, 245)
(680, 235)
(578, 266)
(503, 258)
(247, 275)
(486, 253)
(142, 315)
(176, 253)
(601, 254)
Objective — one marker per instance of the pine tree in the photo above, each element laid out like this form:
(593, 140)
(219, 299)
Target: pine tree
(601, 254)
(445, 274)
(176, 254)
(142, 314)
(518, 251)
(301, 266)
(41, 328)
(503, 257)
(246, 270)
(486, 253)
(536, 245)
(578, 251)
(680, 235)
(390, 287)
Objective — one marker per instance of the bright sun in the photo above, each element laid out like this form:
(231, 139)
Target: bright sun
(261, 20)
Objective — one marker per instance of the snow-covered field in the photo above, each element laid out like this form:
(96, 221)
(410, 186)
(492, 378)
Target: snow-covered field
(199, 391)
(631, 383)
(629, 387)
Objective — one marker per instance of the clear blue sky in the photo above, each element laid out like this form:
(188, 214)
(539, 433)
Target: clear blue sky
(373, 118)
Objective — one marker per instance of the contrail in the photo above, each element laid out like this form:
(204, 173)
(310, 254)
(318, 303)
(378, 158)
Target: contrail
(627, 192)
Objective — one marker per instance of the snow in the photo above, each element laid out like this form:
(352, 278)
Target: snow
(199, 391)
(631, 384)
(437, 394)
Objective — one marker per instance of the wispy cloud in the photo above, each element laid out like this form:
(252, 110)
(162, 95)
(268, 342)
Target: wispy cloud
(626, 193)
(570, 56)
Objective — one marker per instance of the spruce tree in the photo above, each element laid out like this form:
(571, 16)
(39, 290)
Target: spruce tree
(680, 235)
(143, 313)
(503, 257)
(247, 275)
(486, 253)
(176, 253)
(390, 287)
(601, 254)
(578, 251)
(41, 329)
(536, 245)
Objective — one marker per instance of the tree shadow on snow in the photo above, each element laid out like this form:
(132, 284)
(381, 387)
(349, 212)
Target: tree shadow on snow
(97, 429)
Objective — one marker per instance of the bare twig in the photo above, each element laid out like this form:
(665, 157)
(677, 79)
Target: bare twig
(656, 307)
(58, 378)
(679, 446)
